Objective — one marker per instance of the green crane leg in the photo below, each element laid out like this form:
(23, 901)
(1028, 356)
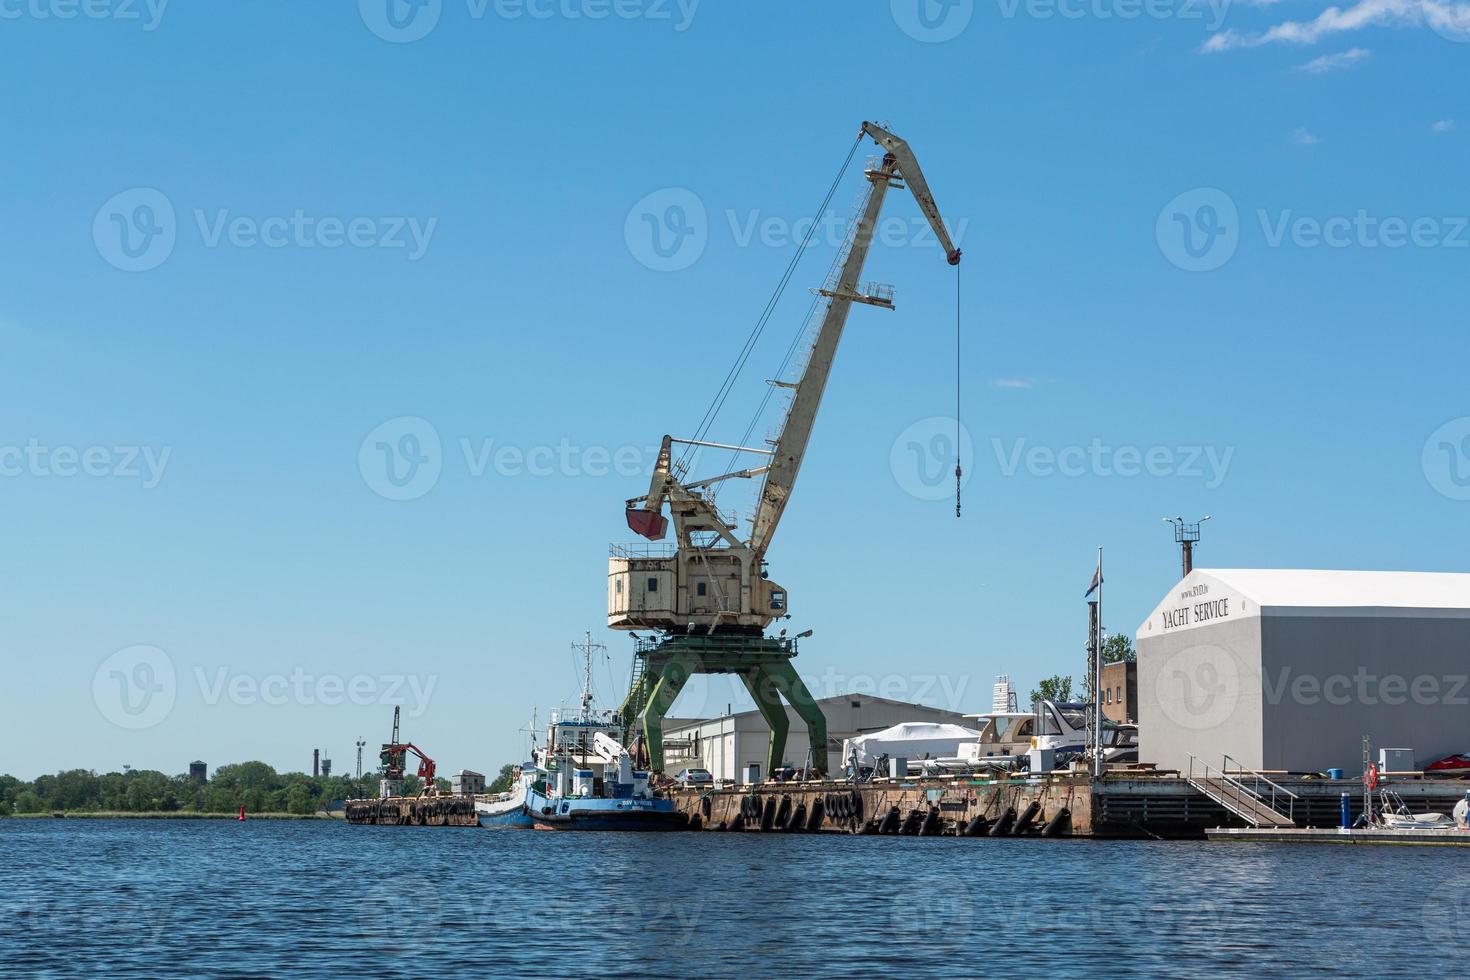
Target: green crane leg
(784, 678)
(671, 681)
(634, 703)
(767, 700)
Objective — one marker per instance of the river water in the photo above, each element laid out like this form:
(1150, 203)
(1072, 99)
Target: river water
(206, 898)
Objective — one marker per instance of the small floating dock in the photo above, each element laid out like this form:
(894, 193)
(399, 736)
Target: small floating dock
(1359, 835)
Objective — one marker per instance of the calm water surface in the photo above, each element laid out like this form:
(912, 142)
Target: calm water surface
(146, 898)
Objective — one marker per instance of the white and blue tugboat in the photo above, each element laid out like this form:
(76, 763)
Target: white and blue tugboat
(582, 779)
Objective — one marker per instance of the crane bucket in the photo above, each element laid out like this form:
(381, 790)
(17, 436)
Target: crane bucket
(650, 524)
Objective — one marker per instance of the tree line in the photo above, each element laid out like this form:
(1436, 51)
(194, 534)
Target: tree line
(253, 785)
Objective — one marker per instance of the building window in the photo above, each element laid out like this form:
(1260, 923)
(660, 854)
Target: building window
(618, 586)
(700, 588)
(652, 584)
(778, 601)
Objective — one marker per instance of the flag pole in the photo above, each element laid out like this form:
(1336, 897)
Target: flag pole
(1097, 654)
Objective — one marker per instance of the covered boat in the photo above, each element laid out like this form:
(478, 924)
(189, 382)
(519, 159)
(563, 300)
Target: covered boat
(908, 740)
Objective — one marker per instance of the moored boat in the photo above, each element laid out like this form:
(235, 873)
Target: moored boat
(583, 778)
(1451, 767)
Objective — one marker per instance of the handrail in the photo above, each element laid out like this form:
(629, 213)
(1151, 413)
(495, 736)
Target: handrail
(1240, 791)
(1258, 778)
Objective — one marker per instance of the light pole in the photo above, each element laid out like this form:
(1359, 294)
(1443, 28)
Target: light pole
(1186, 536)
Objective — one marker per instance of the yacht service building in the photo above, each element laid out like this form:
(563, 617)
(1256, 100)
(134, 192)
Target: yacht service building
(1288, 669)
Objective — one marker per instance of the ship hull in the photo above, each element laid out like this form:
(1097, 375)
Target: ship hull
(586, 813)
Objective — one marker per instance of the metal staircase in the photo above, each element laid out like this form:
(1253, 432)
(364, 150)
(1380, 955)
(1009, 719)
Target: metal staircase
(1248, 794)
(637, 695)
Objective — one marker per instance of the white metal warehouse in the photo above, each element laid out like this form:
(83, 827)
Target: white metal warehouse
(1288, 669)
(726, 745)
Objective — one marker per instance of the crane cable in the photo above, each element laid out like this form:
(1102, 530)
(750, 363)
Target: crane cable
(728, 385)
(957, 471)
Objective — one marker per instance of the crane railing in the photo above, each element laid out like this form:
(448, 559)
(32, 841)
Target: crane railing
(641, 550)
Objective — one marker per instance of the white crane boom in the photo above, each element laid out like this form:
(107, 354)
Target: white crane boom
(899, 161)
(908, 166)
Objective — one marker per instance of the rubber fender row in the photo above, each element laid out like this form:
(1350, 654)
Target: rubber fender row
(843, 808)
(779, 813)
(783, 814)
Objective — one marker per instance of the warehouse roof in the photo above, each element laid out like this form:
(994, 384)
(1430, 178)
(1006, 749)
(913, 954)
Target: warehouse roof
(1211, 595)
(854, 699)
(1323, 587)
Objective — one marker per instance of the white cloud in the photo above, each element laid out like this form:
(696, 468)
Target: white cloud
(1446, 17)
(1014, 383)
(1335, 62)
(1444, 126)
(1301, 137)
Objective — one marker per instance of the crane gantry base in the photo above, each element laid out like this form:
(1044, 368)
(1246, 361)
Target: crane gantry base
(663, 666)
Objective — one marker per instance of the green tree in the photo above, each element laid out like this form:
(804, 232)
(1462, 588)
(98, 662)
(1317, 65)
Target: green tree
(1053, 688)
(1118, 648)
(501, 783)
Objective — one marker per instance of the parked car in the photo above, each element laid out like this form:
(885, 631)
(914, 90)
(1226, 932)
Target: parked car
(694, 777)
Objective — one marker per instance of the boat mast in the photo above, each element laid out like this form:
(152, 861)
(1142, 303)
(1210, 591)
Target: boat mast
(587, 647)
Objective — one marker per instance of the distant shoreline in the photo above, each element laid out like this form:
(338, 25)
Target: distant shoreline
(166, 815)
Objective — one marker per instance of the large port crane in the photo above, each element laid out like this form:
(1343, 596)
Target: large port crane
(708, 598)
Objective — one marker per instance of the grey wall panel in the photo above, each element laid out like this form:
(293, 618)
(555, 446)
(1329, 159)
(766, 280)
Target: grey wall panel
(1330, 680)
(1199, 692)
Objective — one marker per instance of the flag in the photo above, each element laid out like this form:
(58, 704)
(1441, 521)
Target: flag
(1096, 581)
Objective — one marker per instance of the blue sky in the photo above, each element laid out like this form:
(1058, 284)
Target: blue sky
(1215, 262)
